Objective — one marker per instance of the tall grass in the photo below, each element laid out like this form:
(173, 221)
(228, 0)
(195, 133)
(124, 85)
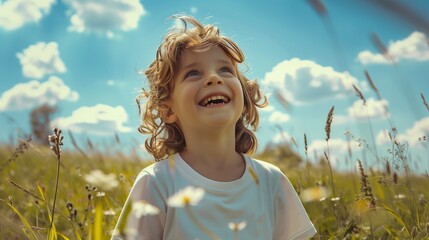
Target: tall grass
(390, 203)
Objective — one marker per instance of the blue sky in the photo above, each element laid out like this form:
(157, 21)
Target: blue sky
(84, 56)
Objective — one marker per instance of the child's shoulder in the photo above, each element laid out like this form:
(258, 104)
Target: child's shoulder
(264, 165)
(266, 169)
(157, 169)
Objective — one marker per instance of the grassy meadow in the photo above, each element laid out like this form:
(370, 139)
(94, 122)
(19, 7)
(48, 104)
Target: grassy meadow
(83, 190)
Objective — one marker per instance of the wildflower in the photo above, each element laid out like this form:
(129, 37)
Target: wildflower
(237, 226)
(335, 199)
(400, 196)
(143, 208)
(189, 196)
(362, 205)
(318, 193)
(101, 194)
(109, 212)
(101, 180)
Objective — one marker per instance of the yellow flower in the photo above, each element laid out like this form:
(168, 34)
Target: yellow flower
(189, 196)
(314, 194)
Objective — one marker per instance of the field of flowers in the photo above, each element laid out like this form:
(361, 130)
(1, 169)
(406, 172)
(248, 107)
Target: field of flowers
(47, 193)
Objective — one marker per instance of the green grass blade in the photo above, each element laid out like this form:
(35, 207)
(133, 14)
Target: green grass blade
(398, 218)
(63, 236)
(52, 232)
(98, 222)
(123, 219)
(24, 221)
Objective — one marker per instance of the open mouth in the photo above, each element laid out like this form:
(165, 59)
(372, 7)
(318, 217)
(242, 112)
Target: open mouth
(214, 100)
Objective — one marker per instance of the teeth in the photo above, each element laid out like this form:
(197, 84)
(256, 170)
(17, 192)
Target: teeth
(206, 101)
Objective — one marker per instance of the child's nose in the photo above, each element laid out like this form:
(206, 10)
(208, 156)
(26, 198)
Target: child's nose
(213, 80)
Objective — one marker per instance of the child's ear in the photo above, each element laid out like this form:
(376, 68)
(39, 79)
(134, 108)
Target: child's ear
(167, 114)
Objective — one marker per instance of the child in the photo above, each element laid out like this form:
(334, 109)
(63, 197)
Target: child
(198, 112)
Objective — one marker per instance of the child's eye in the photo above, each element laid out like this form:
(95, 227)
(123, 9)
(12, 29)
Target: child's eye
(226, 70)
(192, 73)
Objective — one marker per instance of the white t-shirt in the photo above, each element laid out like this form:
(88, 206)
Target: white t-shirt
(267, 203)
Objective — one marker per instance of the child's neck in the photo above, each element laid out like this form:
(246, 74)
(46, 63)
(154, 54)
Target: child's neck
(214, 156)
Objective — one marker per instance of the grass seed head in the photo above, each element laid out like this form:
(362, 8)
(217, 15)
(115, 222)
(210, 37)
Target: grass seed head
(360, 95)
(305, 144)
(365, 188)
(371, 83)
(424, 101)
(328, 123)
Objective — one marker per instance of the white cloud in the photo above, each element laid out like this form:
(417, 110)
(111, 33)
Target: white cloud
(281, 137)
(304, 81)
(15, 13)
(110, 83)
(414, 47)
(41, 59)
(104, 16)
(373, 109)
(99, 120)
(34, 93)
(367, 57)
(338, 148)
(340, 119)
(382, 137)
(279, 117)
(412, 135)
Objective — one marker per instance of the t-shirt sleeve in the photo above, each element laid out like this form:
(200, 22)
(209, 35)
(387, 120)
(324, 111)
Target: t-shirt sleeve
(143, 214)
(292, 221)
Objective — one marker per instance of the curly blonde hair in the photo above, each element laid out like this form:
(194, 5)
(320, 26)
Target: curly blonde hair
(167, 139)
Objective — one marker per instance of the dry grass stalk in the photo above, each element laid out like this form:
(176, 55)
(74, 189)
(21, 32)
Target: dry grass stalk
(319, 7)
(405, 13)
(365, 188)
(74, 143)
(89, 144)
(117, 139)
(26, 191)
(381, 48)
(328, 123)
(371, 83)
(331, 176)
(23, 145)
(360, 95)
(305, 144)
(294, 142)
(424, 101)
(395, 178)
(56, 141)
(388, 170)
(285, 103)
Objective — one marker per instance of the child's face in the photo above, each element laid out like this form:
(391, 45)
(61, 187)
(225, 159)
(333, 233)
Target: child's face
(207, 91)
